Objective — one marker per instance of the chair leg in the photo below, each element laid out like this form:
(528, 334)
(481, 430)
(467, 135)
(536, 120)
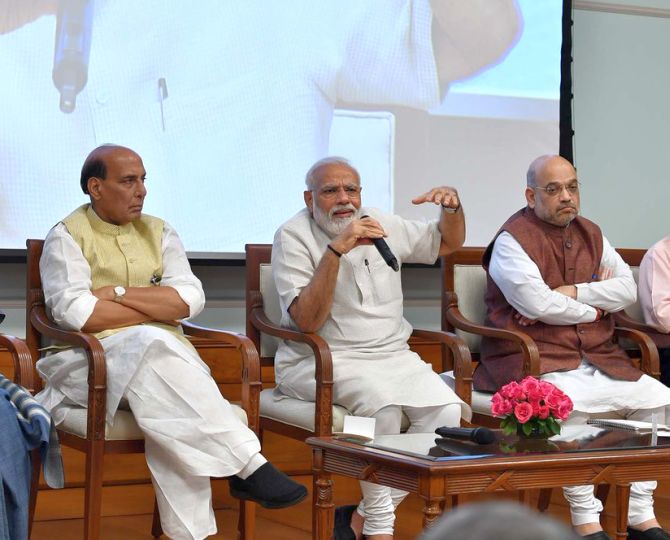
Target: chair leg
(246, 523)
(156, 529)
(95, 457)
(544, 499)
(602, 491)
(34, 484)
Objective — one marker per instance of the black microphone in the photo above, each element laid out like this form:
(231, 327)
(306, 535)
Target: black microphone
(385, 251)
(73, 44)
(480, 435)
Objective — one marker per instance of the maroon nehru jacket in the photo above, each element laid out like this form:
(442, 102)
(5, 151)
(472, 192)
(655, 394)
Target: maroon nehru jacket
(565, 256)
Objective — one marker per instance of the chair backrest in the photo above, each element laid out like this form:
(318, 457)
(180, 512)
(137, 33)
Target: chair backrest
(463, 274)
(633, 257)
(34, 298)
(261, 288)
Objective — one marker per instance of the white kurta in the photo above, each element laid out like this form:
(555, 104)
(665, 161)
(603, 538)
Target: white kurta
(66, 279)
(520, 280)
(367, 334)
(654, 285)
(191, 433)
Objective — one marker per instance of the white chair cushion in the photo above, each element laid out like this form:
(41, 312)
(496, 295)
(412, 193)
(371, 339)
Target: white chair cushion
(271, 307)
(481, 401)
(124, 426)
(470, 287)
(300, 414)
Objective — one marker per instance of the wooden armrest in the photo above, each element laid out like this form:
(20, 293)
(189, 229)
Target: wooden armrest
(251, 366)
(531, 356)
(323, 372)
(649, 362)
(24, 374)
(660, 339)
(462, 359)
(97, 369)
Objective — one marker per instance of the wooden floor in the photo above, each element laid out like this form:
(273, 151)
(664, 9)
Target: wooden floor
(294, 523)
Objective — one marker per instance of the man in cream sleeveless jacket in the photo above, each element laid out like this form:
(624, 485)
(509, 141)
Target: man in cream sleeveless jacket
(110, 270)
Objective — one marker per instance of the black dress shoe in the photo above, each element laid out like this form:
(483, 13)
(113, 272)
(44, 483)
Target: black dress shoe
(269, 487)
(655, 533)
(600, 535)
(342, 529)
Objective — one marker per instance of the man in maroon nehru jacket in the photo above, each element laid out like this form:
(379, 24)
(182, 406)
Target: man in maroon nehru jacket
(552, 274)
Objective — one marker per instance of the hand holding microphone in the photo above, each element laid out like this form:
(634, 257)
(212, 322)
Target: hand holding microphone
(365, 230)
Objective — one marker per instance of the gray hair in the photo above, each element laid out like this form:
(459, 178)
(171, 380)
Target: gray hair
(312, 176)
(533, 169)
(497, 521)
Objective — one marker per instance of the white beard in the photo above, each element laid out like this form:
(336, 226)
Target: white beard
(330, 225)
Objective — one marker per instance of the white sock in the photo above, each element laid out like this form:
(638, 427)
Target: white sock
(250, 468)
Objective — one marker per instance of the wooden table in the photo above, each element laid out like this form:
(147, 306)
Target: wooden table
(436, 481)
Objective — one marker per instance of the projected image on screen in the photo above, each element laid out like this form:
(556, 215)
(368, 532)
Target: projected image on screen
(229, 103)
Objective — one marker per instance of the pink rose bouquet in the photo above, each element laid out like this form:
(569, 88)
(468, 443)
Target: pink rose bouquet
(531, 406)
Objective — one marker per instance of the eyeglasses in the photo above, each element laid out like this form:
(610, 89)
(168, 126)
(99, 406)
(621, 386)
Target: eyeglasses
(330, 192)
(554, 189)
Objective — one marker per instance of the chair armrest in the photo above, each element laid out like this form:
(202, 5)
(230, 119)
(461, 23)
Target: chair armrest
(24, 373)
(660, 339)
(531, 355)
(323, 372)
(461, 356)
(97, 369)
(251, 366)
(649, 362)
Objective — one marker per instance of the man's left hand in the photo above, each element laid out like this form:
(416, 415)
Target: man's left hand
(444, 195)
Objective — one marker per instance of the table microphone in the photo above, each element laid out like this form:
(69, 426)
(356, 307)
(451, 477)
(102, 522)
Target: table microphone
(480, 435)
(385, 251)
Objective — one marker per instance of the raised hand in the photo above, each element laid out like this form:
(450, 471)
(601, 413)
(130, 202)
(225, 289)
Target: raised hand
(444, 195)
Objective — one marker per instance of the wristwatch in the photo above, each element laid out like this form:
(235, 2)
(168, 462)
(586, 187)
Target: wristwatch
(119, 293)
(450, 210)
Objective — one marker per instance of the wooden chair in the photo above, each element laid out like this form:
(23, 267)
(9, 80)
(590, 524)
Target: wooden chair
(632, 316)
(85, 429)
(24, 375)
(464, 312)
(293, 417)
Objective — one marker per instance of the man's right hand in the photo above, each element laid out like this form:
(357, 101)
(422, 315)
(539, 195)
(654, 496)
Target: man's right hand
(16, 13)
(359, 232)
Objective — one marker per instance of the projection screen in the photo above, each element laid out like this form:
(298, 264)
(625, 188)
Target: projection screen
(229, 103)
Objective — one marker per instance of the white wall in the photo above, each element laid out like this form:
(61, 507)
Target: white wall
(621, 78)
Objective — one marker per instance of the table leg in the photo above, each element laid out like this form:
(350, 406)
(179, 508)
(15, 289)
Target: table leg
(431, 511)
(322, 499)
(622, 500)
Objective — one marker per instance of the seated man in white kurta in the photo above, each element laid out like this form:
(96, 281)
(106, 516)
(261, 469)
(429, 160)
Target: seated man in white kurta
(108, 269)
(332, 281)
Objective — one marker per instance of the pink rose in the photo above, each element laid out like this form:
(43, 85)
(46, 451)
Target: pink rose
(563, 411)
(554, 401)
(535, 404)
(547, 388)
(523, 412)
(529, 384)
(500, 406)
(513, 391)
(543, 412)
